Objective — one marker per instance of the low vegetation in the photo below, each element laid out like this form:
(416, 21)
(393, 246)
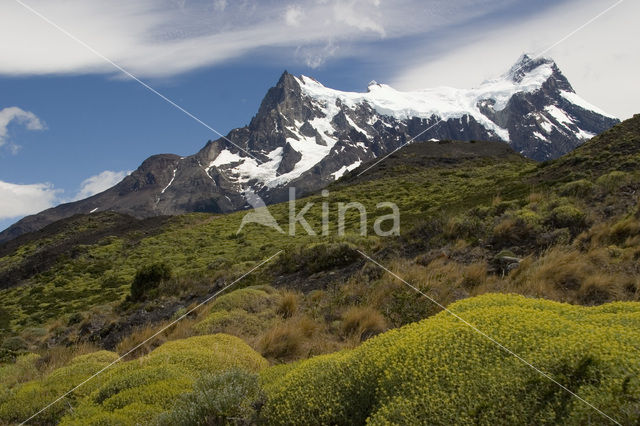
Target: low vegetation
(440, 371)
(322, 335)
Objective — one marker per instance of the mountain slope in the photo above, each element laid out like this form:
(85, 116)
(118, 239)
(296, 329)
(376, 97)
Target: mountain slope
(306, 136)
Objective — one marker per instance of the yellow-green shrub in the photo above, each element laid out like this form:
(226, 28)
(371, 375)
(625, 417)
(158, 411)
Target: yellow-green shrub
(237, 322)
(251, 299)
(136, 390)
(230, 397)
(25, 400)
(613, 180)
(23, 369)
(577, 188)
(246, 312)
(440, 371)
(567, 216)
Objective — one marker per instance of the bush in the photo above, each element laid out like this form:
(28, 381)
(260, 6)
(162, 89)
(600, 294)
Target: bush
(317, 258)
(135, 391)
(230, 397)
(288, 304)
(5, 321)
(23, 369)
(612, 181)
(251, 299)
(580, 188)
(465, 227)
(282, 342)
(30, 397)
(147, 278)
(440, 371)
(362, 323)
(567, 216)
(237, 322)
(14, 344)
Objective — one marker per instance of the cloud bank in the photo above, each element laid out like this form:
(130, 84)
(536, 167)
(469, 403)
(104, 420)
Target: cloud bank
(18, 200)
(600, 60)
(168, 37)
(21, 200)
(418, 43)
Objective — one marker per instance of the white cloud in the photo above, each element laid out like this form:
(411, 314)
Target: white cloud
(19, 116)
(18, 200)
(426, 43)
(98, 183)
(219, 5)
(168, 37)
(21, 200)
(315, 56)
(351, 14)
(600, 60)
(292, 15)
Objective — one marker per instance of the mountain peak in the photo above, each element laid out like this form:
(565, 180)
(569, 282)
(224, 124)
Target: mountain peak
(526, 65)
(286, 80)
(308, 135)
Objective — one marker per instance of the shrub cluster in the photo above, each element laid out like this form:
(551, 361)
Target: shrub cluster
(440, 371)
(147, 278)
(130, 392)
(230, 397)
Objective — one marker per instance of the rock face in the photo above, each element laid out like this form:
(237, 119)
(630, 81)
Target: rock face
(306, 135)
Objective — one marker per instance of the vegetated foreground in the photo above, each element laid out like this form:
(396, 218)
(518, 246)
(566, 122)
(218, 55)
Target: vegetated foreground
(286, 344)
(436, 371)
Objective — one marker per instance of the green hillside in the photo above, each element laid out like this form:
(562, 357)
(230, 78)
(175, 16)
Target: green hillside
(437, 371)
(346, 342)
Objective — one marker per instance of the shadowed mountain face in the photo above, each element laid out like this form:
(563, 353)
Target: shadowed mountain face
(306, 135)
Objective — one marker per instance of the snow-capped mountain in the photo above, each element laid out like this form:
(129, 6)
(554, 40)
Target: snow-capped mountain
(307, 135)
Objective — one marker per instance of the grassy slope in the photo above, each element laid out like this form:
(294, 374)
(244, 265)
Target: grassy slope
(440, 371)
(578, 233)
(204, 246)
(436, 371)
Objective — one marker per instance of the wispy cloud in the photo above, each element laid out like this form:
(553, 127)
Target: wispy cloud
(18, 200)
(168, 37)
(98, 183)
(17, 116)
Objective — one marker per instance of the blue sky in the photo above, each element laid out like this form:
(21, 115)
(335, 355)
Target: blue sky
(72, 125)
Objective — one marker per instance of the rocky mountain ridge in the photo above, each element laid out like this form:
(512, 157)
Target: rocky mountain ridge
(307, 135)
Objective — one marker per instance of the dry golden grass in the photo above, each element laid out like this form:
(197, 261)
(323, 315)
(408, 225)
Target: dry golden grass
(181, 330)
(59, 356)
(136, 338)
(362, 323)
(569, 275)
(460, 244)
(475, 275)
(283, 342)
(510, 229)
(536, 197)
(288, 304)
(297, 337)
